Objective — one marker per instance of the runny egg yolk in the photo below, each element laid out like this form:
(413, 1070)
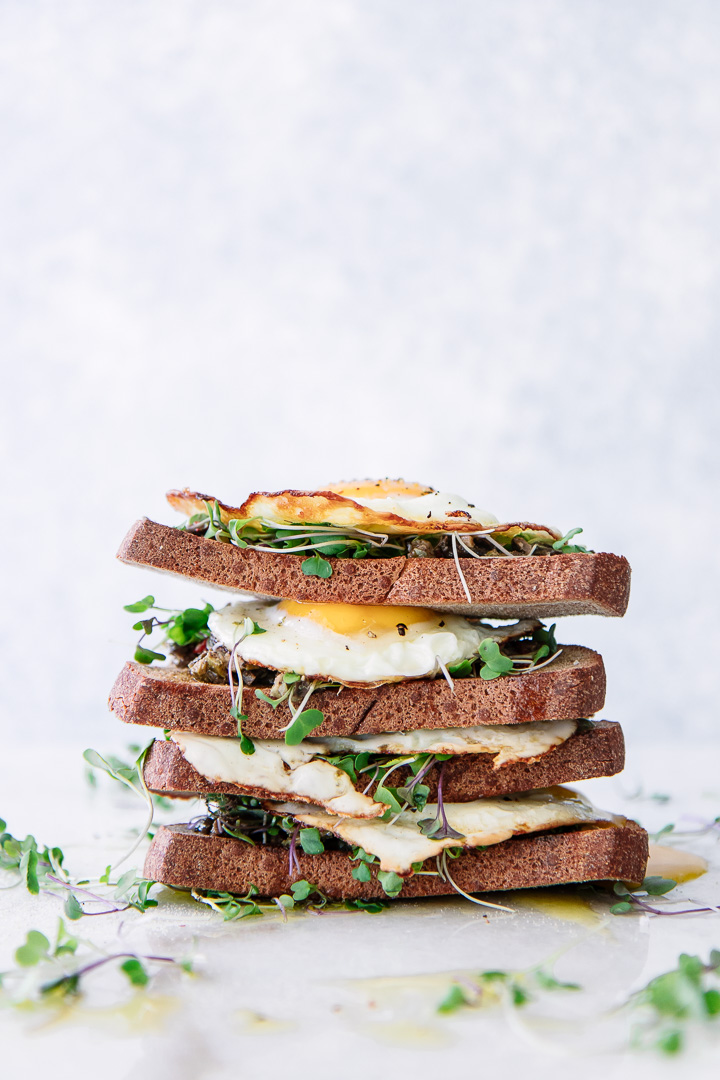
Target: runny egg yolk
(379, 489)
(356, 618)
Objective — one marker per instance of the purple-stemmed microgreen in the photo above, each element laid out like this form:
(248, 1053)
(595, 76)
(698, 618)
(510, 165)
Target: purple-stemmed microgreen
(439, 828)
(293, 861)
(53, 982)
(634, 899)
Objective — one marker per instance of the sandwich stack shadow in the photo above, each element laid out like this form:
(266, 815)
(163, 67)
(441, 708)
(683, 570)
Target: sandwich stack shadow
(359, 726)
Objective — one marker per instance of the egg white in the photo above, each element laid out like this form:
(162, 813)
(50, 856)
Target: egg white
(435, 506)
(299, 644)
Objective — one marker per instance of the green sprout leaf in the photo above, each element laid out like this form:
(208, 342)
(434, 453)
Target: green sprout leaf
(141, 605)
(361, 872)
(658, 886)
(546, 637)
(373, 907)
(391, 882)
(670, 1043)
(328, 546)
(135, 972)
(64, 944)
(316, 566)
(272, 702)
(712, 1002)
(246, 745)
(311, 842)
(35, 949)
(146, 656)
(549, 982)
(388, 796)
(494, 663)
(566, 548)
(461, 670)
(29, 864)
(301, 890)
(454, 999)
(73, 908)
(302, 725)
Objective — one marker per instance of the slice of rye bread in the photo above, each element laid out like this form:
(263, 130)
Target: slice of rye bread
(603, 852)
(572, 686)
(505, 587)
(599, 751)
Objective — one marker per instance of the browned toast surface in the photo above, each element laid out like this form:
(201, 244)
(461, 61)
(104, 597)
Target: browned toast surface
(504, 587)
(571, 687)
(188, 860)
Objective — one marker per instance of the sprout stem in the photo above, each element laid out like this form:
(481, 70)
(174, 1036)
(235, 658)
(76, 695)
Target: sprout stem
(463, 582)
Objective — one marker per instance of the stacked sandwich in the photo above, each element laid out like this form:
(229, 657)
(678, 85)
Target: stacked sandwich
(357, 719)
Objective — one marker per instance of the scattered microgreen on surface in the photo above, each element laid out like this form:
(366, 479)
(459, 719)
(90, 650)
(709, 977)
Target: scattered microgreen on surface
(55, 973)
(513, 988)
(671, 1003)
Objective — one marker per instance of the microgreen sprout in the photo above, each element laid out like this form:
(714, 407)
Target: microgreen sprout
(634, 899)
(513, 988)
(670, 1002)
(302, 724)
(134, 782)
(565, 547)
(671, 831)
(326, 541)
(439, 828)
(188, 627)
(31, 864)
(494, 663)
(233, 907)
(124, 771)
(331, 541)
(246, 629)
(444, 873)
(316, 566)
(57, 975)
(42, 871)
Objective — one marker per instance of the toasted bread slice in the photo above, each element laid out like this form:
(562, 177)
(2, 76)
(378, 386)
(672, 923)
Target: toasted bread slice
(598, 852)
(572, 686)
(506, 587)
(599, 751)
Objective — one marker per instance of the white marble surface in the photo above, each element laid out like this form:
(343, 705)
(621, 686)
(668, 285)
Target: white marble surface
(343, 993)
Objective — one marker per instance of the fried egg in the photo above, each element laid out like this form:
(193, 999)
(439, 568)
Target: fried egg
(376, 506)
(400, 843)
(348, 643)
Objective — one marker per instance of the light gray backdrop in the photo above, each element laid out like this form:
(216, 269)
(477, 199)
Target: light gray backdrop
(259, 244)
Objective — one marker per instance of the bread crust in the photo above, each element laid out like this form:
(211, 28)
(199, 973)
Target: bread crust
(587, 853)
(505, 588)
(570, 687)
(597, 752)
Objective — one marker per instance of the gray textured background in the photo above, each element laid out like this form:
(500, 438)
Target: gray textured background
(257, 244)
